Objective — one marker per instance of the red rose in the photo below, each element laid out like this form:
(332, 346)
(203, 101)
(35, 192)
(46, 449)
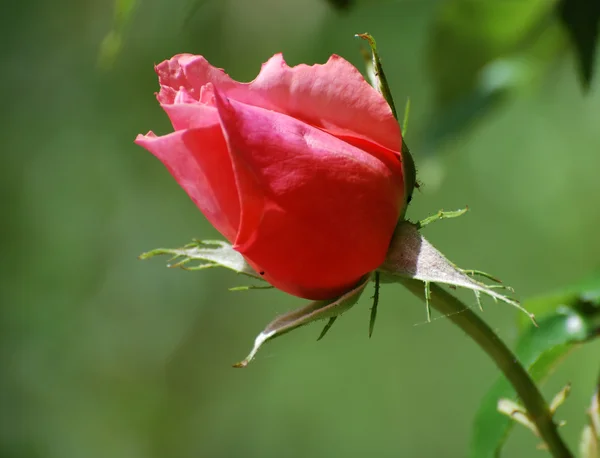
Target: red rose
(300, 169)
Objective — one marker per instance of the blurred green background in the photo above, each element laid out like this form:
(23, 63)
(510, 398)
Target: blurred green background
(103, 355)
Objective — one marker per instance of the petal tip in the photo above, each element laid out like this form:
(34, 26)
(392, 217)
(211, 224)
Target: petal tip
(276, 60)
(141, 139)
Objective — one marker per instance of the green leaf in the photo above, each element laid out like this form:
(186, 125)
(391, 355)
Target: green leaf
(566, 320)
(112, 42)
(587, 291)
(581, 19)
(480, 52)
(468, 34)
(341, 5)
(123, 12)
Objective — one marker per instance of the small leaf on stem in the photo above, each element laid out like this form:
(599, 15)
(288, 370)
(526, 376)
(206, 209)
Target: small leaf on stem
(518, 413)
(560, 398)
(589, 445)
(581, 18)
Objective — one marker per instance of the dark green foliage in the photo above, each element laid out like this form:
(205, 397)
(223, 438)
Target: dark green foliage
(342, 5)
(581, 18)
(482, 52)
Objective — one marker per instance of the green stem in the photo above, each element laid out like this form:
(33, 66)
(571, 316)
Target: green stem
(506, 361)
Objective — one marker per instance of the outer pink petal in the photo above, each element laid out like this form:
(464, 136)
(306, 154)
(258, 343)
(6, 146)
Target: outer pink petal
(322, 212)
(333, 96)
(199, 160)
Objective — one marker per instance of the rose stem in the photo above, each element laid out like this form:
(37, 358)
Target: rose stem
(507, 362)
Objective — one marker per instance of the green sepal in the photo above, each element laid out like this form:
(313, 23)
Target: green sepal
(317, 310)
(411, 256)
(204, 254)
(379, 82)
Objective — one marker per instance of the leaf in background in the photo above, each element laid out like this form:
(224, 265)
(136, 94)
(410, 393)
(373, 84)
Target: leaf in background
(196, 8)
(341, 5)
(566, 319)
(468, 34)
(581, 18)
(480, 51)
(586, 291)
(112, 42)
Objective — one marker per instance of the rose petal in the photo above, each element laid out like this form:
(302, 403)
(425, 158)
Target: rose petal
(190, 72)
(191, 115)
(183, 96)
(333, 96)
(199, 160)
(319, 199)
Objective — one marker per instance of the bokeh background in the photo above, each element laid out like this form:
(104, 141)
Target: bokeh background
(103, 355)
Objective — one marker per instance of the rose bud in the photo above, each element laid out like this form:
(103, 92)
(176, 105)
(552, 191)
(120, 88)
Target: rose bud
(299, 169)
